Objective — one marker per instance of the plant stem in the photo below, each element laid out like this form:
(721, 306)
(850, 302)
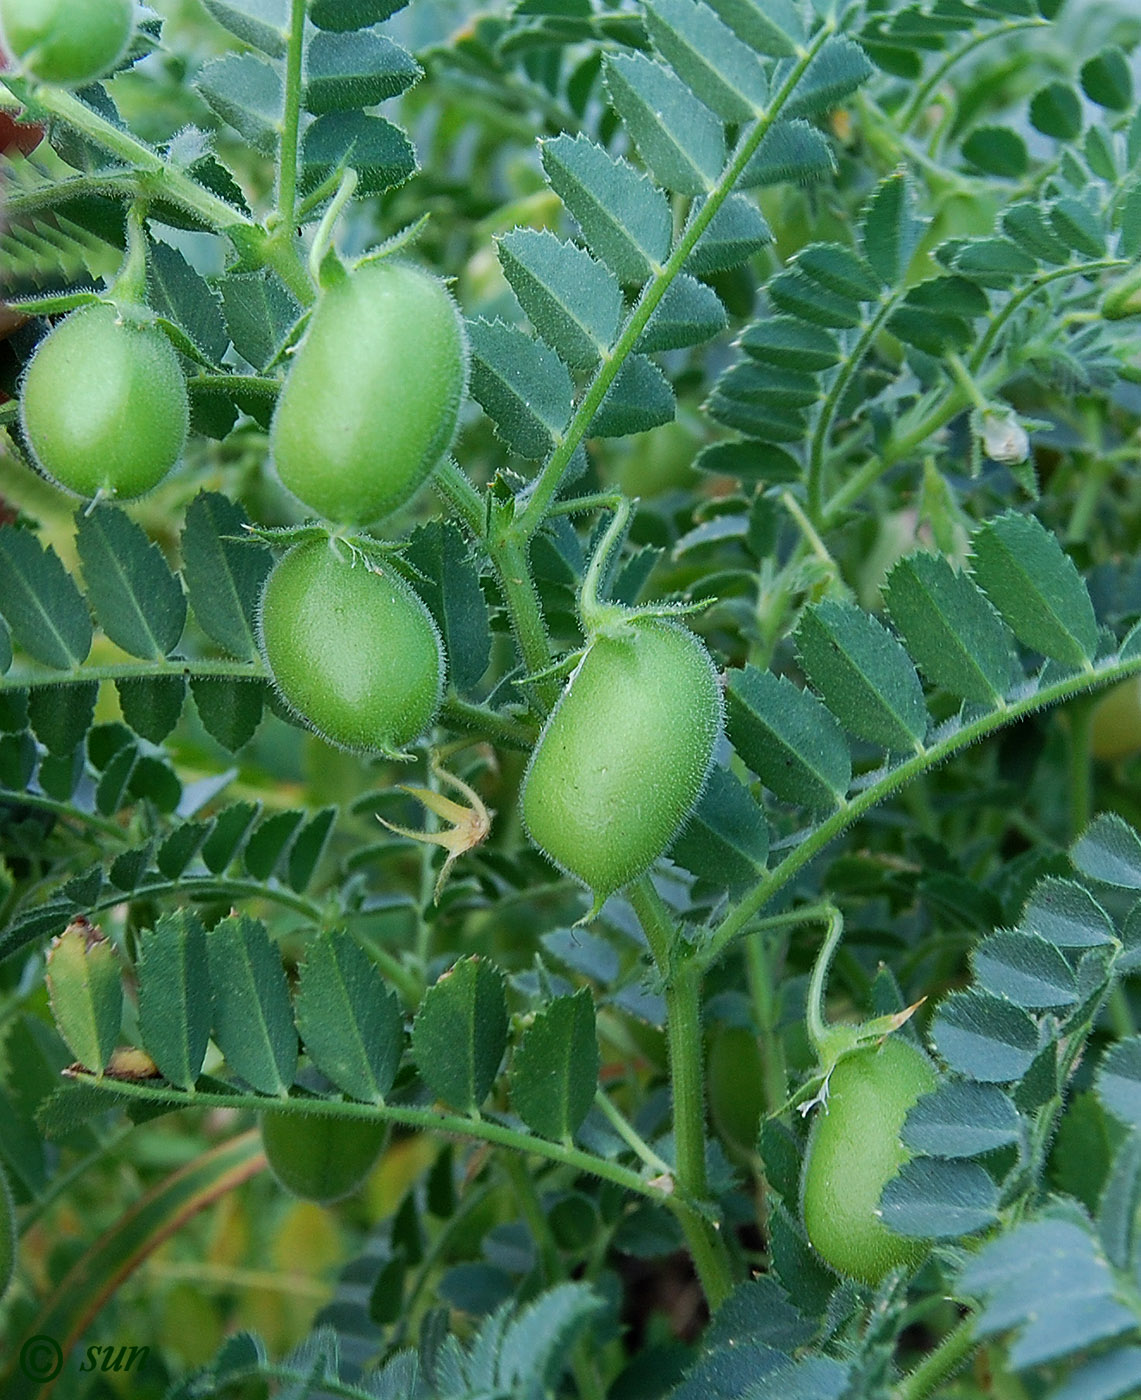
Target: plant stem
(509, 555)
(686, 1066)
(944, 1361)
(1081, 775)
(168, 182)
(291, 121)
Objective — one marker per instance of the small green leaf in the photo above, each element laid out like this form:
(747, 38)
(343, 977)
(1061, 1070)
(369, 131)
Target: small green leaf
(1056, 110)
(352, 70)
(554, 1071)
(136, 598)
(40, 601)
(86, 991)
(247, 93)
(573, 302)
(264, 24)
(174, 995)
(349, 1020)
(708, 57)
(1119, 1081)
(460, 1033)
(61, 715)
(1107, 79)
(266, 848)
(890, 230)
(790, 152)
(342, 15)
(1034, 585)
(787, 737)
(951, 631)
(186, 299)
(933, 1199)
(961, 1119)
(1026, 970)
(863, 675)
(451, 591)
(625, 220)
(726, 838)
(522, 386)
(253, 1020)
(689, 313)
(1109, 850)
(1027, 225)
(732, 236)
(835, 71)
(772, 27)
(678, 137)
(224, 573)
(984, 1037)
(639, 398)
(260, 313)
(997, 150)
(377, 150)
(229, 707)
(1078, 228)
(786, 342)
(231, 829)
(151, 705)
(1066, 914)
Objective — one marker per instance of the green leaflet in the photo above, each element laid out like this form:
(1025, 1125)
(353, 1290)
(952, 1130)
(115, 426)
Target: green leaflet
(678, 137)
(554, 1070)
(344, 71)
(1036, 588)
(726, 838)
(138, 601)
(460, 1033)
(709, 58)
(951, 631)
(984, 1037)
(624, 218)
(788, 738)
(522, 386)
(253, 1019)
(174, 996)
(247, 93)
(863, 675)
(41, 602)
(573, 302)
(223, 573)
(350, 1021)
(890, 230)
(86, 993)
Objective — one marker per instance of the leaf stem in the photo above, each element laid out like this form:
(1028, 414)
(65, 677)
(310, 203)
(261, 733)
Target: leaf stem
(291, 121)
(956, 737)
(687, 1082)
(547, 484)
(421, 1119)
(944, 1361)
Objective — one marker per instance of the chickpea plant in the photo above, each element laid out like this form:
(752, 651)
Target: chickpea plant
(569, 662)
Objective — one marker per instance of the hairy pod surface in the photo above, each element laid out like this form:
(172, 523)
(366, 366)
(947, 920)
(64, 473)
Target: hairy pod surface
(104, 405)
(351, 648)
(320, 1159)
(624, 754)
(854, 1149)
(370, 402)
(69, 42)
